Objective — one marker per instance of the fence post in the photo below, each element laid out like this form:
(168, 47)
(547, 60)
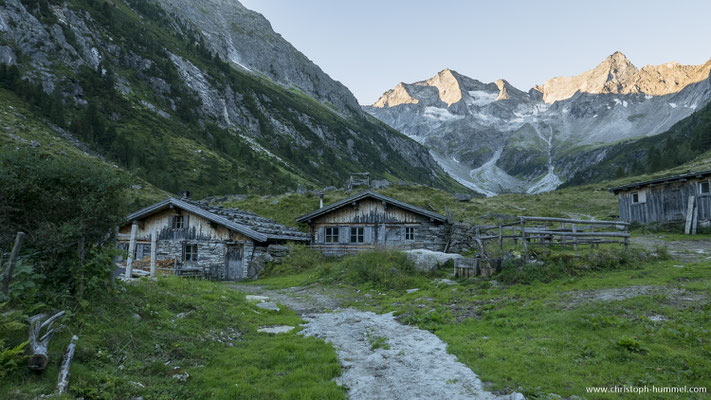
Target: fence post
(575, 238)
(523, 240)
(11, 263)
(501, 240)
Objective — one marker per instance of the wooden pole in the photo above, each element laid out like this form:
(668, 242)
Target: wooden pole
(63, 379)
(153, 254)
(131, 249)
(694, 218)
(11, 263)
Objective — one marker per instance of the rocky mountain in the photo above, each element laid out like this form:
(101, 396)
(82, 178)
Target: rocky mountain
(204, 96)
(495, 138)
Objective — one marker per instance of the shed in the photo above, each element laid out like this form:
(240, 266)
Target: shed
(670, 199)
(189, 237)
(371, 220)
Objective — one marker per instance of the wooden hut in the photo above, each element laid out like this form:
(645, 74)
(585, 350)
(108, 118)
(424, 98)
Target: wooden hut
(685, 197)
(370, 220)
(184, 237)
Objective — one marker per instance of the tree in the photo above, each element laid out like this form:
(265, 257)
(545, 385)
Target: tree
(67, 207)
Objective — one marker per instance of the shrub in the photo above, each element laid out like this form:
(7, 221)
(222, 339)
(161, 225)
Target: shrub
(300, 259)
(380, 269)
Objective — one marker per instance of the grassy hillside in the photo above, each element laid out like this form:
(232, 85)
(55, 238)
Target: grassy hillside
(140, 110)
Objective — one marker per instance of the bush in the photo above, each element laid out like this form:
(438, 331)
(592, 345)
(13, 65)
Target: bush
(379, 269)
(553, 264)
(300, 259)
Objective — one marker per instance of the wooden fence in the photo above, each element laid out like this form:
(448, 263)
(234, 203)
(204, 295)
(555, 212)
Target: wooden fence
(555, 231)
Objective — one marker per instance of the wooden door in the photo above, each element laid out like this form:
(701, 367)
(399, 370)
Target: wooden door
(234, 263)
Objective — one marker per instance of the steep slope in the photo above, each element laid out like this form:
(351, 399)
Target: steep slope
(495, 138)
(142, 87)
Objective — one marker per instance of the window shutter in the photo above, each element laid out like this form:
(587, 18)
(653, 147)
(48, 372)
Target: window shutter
(381, 234)
(321, 235)
(368, 234)
(186, 222)
(344, 234)
(402, 233)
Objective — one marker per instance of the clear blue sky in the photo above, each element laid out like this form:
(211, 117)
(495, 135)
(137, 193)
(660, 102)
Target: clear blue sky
(371, 45)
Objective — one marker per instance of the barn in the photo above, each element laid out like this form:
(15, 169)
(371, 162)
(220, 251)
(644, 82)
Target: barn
(685, 197)
(371, 220)
(185, 237)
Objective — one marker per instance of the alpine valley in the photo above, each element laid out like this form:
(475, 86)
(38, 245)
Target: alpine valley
(495, 138)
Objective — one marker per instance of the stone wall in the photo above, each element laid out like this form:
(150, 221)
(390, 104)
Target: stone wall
(462, 238)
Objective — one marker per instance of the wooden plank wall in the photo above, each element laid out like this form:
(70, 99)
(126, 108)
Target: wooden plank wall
(664, 203)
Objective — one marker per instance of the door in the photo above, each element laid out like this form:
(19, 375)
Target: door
(234, 263)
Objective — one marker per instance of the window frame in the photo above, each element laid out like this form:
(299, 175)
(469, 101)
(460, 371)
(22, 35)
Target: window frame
(357, 234)
(330, 234)
(708, 187)
(179, 222)
(409, 233)
(190, 252)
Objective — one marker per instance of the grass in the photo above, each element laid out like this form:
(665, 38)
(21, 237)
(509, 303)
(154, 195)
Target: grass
(182, 339)
(558, 325)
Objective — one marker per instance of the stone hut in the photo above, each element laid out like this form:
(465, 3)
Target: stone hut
(185, 237)
(370, 220)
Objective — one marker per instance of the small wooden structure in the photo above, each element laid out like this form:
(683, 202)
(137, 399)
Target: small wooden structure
(359, 179)
(370, 220)
(685, 197)
(188, 238)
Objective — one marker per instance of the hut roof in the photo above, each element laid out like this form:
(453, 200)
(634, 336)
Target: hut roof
(374, 195)
(660, 181)
(245, 222)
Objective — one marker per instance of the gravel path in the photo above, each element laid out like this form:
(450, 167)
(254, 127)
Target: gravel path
(408, 364)
(683, 250)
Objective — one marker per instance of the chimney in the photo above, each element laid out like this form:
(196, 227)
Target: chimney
(320, 197)
(185, 195)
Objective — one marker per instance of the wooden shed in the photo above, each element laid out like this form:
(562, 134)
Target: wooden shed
(184, 237)
(370, 220)
(685, 197)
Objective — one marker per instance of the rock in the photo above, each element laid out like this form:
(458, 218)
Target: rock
(135, 317)
(463, 197)
(268, 306)
(427, 260)
(380, 184)
(276, 329)
(412, 290)
(445, 281)
(7, 56)
(255, 298)
(34, 144)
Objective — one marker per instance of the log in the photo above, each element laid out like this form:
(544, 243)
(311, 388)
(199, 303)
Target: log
(574, 221)
(63, 379)
(38, 344)
(11, 263)
(131, 249)
(153, 254)
(689, 214)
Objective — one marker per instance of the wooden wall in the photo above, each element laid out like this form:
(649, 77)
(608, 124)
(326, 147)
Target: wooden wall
(664, 203)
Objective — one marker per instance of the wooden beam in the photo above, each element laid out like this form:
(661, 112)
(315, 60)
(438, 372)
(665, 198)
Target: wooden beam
(689, 214)
(11, 263)
(131, 249)
(153, 254)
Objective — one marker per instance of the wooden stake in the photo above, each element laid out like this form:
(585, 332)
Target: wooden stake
(575, 239)
(501, 239)
(11, 263)
(523, 240)
(131, 250)
(63, 379)
(153, 254)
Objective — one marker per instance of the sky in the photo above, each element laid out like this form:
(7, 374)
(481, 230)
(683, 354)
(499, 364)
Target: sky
(372, 45)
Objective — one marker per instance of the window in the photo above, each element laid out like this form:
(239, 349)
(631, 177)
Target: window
(332, 235)
(639, 197)
(190, 252)
(357, 235)
(178, 222)
(705, 187)
(635, 197)
(409, 233)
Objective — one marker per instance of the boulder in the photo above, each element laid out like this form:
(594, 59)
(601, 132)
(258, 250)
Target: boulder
(380, 184)
(463, 197)
(428, 260)
(277, 250)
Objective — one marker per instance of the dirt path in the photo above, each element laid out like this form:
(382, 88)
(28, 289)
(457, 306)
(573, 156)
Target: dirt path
(693, 250)
(381, 358)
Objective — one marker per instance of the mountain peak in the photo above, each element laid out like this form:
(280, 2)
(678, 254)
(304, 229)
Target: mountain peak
(448, 85)
(396, 96)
